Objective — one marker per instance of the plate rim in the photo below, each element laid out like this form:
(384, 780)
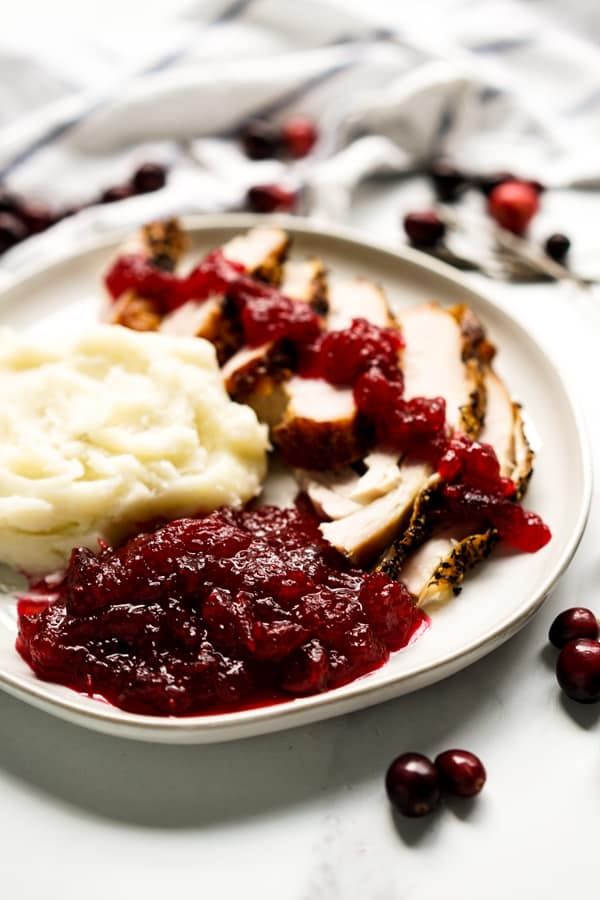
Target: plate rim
(295, 712)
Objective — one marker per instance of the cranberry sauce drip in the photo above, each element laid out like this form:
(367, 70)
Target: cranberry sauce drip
(226, 611)
(135, 272)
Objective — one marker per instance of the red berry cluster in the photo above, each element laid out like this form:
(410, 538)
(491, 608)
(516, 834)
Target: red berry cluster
(414, 784)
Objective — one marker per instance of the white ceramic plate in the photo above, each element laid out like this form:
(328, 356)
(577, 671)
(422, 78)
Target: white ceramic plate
(497, 600)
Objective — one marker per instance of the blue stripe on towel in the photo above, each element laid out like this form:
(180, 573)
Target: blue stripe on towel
(502, 45)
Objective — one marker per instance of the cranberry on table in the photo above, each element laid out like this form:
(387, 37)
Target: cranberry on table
(149, 177)
(513, 204)
(460, 772)
(260, 139)
(578, 670)
(557, 246)
(577, 622)
(412, 784)
(12, 230)
(266, 198)
(448, 181)
(299, 136)
(114, 194)
(424, 229)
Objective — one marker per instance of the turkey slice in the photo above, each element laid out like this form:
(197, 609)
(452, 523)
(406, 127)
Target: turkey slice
(363, 534)
(260, 251)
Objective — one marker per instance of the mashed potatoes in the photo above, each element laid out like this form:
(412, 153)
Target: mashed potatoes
(111, 429)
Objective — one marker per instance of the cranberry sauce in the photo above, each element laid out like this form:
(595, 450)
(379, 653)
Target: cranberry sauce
(226, 611)
(134, 272)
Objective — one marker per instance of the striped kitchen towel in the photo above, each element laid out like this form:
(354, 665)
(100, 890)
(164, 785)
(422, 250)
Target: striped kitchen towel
(494, 84)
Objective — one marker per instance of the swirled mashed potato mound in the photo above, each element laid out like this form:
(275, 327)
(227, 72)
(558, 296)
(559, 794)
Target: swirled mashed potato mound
(111, 429)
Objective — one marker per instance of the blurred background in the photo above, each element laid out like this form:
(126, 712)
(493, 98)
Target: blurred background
(89, 93)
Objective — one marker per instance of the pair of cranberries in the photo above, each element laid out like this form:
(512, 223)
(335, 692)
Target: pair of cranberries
(262, 139)
(575, 633)
(414, 784)
(147, 178)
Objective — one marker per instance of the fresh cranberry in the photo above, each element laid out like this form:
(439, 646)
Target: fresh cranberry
(557, 246)
(149, 177)
(412, 784)
(513, 204)
(267, 198)
(577, 622)
(461, 773)
(299, 135)
(260, 139)
(117, 193)
(346, 354)
(37, 217)
(228, 610)
(12, 230)
(578, 670)
(487, 183)
(424, 229)
(448, 181)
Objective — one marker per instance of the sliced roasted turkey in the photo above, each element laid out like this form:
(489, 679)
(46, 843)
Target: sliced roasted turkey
(261, 252)
(163, 244)
(320, 427)
(258, 370)
(431, 563)
(437, 361)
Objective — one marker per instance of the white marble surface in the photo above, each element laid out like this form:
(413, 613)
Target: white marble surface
(302, 815)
